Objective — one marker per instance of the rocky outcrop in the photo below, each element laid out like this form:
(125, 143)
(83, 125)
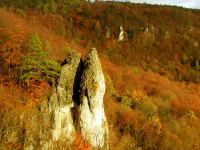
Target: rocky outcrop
(74, 106)
(63, 100)
(93, 122)
(87, 78)
(121, 34)
(80, 85)
(108, 33)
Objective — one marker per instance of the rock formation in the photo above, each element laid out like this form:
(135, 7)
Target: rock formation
(87, 78)
(65, 99)
(93, 122)
(75, 106)
(121, 34)
(108, 33)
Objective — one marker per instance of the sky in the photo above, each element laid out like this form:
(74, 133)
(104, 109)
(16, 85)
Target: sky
(183, 3)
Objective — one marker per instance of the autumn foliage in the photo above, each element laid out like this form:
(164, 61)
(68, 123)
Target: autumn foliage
(80, 144)
(152, 99)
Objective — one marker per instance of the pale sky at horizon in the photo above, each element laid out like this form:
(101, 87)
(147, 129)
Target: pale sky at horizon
(183, 3)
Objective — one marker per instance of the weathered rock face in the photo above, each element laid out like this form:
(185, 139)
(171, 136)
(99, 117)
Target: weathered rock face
(93, 122)
(63, 99)
(108, 33)
(87, 78)
(52, 124)
(121, 34)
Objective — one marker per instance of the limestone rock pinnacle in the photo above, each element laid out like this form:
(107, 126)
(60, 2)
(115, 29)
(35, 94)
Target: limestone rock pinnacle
(93, 122)
(62, 113)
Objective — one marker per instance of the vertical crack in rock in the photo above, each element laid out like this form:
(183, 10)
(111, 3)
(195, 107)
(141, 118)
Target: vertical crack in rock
(77, 82)
(76, 103)
(93, 124)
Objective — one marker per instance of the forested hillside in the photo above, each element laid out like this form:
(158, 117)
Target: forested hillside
(152, 96)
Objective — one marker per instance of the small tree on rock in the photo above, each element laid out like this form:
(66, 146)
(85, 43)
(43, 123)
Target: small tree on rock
(36, 65)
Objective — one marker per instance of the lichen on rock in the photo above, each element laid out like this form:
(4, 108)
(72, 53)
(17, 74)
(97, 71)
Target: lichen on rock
(75, 105)
(93, 122)
(64, 99)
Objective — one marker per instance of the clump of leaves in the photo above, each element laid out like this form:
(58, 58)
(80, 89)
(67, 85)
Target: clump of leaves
(148, 108)
(36, 65)
(125, 100)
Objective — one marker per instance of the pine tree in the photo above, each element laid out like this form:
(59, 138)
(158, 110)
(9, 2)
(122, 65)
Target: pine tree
(35, 64)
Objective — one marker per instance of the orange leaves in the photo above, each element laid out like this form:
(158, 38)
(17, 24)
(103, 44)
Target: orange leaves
(139, 95)
(11, 48)
(38, 90)
(12, 36)
(109, 43)
(79, 143)
(11, 95)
